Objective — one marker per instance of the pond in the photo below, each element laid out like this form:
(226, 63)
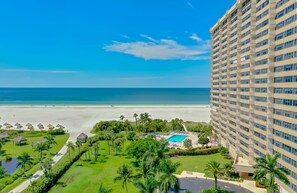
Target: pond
(10, 166)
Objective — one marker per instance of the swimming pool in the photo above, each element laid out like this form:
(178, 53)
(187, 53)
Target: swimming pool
(177, 138)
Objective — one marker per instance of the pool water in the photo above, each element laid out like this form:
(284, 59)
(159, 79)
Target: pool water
(177, 138)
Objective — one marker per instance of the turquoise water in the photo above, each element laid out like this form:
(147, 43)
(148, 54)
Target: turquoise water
(177, 138)
(104, 96)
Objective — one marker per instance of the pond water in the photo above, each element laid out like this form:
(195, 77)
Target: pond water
(10, 166)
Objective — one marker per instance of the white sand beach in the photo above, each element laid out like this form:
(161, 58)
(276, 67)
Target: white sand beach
(79, 119)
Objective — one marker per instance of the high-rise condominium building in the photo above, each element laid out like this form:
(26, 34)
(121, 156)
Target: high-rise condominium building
(254, 83)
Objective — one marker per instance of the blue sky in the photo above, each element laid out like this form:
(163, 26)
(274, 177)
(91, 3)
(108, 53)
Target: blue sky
(107, 43)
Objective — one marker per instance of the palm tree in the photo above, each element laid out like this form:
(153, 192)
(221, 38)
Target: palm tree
(96, 150)
(102, 189)
(47, 169)
(122, 117)
(40, 148)
(267, 168)
(168, 179)
(50, 139)
(135, 115)
(146, 166)
(24, 159)
(125, 175)
(70, 147)
(149, 185)
(78, 144)
(214, 168)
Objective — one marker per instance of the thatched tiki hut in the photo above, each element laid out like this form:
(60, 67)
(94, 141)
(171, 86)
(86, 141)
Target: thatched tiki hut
(60, 126)
(50, 126)
(40, 126)
(20, 140)
(82, 138)
(4, 137)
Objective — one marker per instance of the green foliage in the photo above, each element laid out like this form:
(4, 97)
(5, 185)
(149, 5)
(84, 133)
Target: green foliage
(203, 140)
(102, 189)
(56, 132)
(197, 126)
(266, 169)
(131, 136)
(224, 151)
(215, 169)
(176, 124)
(188, 143)
(114, 126)
(194, 151)
(214, 190)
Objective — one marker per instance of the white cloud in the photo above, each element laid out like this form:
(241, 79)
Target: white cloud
(190, 4)
(195, 37)
(163, 49)
(40, 71)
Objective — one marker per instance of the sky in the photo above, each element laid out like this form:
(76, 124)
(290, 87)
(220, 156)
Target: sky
(107, 43)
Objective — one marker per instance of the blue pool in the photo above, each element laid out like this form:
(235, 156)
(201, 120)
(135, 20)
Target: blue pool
(177, 138)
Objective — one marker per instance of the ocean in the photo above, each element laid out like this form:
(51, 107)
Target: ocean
(104, 96)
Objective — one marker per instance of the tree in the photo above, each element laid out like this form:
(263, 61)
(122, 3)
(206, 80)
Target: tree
(149, 185)
(177, 124)
(168, 179)
(188, 143)
(203, 141)
(266, 168)
(2, 172)
(125, 175)
(122, 117)
(145, 117)
(40, 147)
(2, 142)
(96, 151)
(50, 140)
(102, 189)
(47, 169)
(135, 115)
(23, 160)
(108, 137)
(70, 147)
(78, 144)
(214, 168)
(131, 136)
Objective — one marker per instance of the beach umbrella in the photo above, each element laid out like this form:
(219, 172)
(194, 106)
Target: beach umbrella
(40, 126)
(0, 126)
(28, 124)
(17, 124)
(5, 124)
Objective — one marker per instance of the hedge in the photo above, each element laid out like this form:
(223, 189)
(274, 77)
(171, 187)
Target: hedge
(193, 152)
(43, 184)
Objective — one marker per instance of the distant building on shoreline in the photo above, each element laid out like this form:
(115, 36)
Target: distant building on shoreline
(254, 83)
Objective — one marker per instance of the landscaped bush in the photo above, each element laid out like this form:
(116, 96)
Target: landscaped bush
(194, 151)
(56, 132)
(212, 190)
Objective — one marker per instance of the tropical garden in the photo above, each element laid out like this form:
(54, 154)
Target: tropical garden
(125, 156)
(20, 161)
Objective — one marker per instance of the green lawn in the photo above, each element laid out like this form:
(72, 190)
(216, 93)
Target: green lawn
(12, 150)
(86, 177)
(198, 163)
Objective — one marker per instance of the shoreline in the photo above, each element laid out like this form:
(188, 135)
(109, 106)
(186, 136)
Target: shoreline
(108, 106)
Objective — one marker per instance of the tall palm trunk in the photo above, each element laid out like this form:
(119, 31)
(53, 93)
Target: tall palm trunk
(216, 182)
(126, 187)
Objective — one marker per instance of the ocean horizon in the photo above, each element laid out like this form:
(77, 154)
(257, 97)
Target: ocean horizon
(104, 96)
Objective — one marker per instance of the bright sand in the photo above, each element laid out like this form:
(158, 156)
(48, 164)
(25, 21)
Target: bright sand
(78, 119)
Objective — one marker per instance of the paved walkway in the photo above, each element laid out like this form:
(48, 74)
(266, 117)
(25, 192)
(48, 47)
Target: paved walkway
(247, 184)
(39, 173)
(185, 128)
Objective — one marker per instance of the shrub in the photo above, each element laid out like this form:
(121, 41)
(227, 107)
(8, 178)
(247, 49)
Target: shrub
(224, 151)
(213, 190)
(192, 152)
(56, 132)
(203, 140)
